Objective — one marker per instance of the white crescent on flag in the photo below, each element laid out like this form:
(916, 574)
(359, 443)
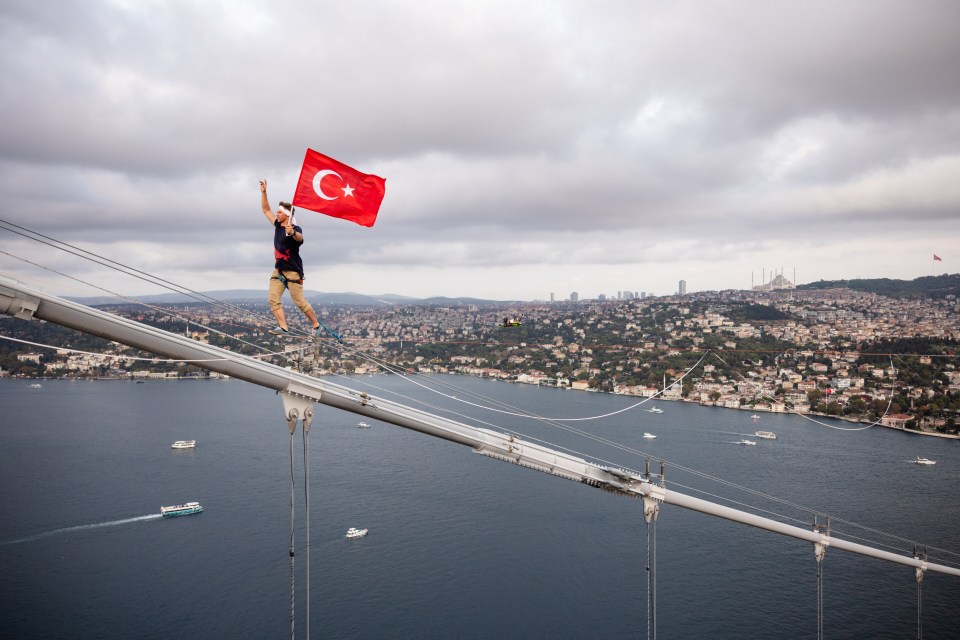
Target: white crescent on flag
(317, 179)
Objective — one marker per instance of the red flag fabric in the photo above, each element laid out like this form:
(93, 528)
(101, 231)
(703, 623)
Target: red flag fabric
(332, 188)
(937, 258)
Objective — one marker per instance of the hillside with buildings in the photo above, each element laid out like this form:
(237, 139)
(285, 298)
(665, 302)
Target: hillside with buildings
(836, 352)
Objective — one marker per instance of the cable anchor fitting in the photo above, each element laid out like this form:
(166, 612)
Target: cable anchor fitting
(820, 547)
(653, 495)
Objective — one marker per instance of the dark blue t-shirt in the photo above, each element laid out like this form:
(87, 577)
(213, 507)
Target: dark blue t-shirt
(286, 250)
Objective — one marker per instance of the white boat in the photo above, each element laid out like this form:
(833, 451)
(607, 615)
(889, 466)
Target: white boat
(649, 436)
(362, 425)
(922, 460)
(755, 417)
(356, 533)
(745, 441)
(766, 435)
(654, 410)
(184, 444)
(185, 509)
(36, 385)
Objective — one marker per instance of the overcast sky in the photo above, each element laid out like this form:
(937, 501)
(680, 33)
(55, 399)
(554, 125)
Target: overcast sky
(528, 147)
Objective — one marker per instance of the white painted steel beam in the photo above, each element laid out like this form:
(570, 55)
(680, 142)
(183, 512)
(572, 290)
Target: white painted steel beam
(20, 302)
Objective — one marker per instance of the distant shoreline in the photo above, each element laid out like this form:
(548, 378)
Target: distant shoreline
(933, 434)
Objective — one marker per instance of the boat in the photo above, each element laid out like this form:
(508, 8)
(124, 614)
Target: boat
(755, 417)
(922, 460)
(36, 385)
(356, 533)
(649, 436)
(654, 410)
(186, 509)
(745, 441)
(766, 435)
(184, 444)
(362, 425)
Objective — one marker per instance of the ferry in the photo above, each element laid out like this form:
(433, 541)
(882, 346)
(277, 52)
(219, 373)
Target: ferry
(356, 533)
(186, 509)
(184, 444)
(922, 460)
(766, 435)
(750, 442)
(649, 436)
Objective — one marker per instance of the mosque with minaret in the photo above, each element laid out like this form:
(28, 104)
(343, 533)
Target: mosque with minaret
(777, 281)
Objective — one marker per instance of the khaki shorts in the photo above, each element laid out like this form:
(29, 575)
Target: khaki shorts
(293, 285)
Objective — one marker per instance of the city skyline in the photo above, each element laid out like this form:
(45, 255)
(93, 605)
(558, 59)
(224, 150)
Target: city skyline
(520, 156)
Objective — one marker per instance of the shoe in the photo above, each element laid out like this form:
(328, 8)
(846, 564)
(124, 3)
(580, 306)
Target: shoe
(279, 331)
(317, 331)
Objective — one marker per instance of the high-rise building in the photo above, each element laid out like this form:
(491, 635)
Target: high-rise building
(551, 296)
(683, 287)
(574, 296)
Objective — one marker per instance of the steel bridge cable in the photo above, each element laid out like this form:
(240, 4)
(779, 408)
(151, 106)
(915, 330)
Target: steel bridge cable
(118, 356)
(113, 264)
(168, 312)
(126, 270)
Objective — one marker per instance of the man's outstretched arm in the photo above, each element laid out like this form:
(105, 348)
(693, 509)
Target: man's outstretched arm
(265, 203)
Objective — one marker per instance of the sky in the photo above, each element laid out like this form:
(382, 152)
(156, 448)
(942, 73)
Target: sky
(528, 148)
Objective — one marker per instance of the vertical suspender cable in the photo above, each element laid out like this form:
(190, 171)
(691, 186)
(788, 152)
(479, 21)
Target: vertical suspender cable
(293, 586)
(654, 581)
(649, 593)
(918, 572)
(919, 609)
(306, 494)
(819, 602)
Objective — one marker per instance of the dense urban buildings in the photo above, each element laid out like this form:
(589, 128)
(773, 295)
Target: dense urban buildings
(836, 352)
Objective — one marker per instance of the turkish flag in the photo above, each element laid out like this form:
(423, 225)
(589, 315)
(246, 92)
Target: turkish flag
(937, 258)
(332, 188)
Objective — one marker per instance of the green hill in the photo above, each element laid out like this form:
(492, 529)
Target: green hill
(926, 287)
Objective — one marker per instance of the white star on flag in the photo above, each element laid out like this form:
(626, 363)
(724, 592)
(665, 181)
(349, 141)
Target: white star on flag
(347, 191)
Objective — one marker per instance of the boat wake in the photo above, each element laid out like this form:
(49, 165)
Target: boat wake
(111, 523)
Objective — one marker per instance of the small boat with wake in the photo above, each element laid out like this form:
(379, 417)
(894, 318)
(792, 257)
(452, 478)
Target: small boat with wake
(356, 533)
(654, 410)
(362, 425)
(766, 435)
(747, 442)
(648, 436)
(922, 460)
(185, 509)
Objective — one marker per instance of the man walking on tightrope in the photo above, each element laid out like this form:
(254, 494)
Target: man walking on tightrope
(288, 268)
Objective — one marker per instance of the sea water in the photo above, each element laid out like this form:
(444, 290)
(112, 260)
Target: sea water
(460, 545)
